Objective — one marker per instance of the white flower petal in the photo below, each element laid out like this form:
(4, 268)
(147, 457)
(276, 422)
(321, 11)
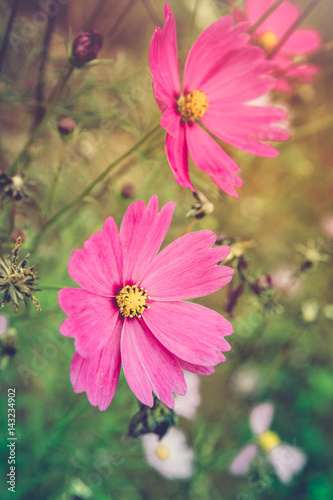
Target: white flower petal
(170, 456)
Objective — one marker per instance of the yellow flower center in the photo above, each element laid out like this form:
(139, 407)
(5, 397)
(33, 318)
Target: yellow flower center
(268, 40)
(268, 441)
(193, 105)
(162, 452)
(132, 301)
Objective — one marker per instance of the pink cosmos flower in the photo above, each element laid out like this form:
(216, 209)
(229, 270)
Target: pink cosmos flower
(222, 74)
(303, 42)
(130, 308)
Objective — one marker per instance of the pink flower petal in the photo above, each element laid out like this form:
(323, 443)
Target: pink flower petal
(176, 151)
(234, 137)
(253, 121)
(163, 60)
(303, 41)
(190, 331)
(212, 159)
(98, 376)
(198, 369)
(187, 268)
(242, 462)
(279, 21)
(206, 153)
(94, 267)
(92, 319)
(210, 50)
(142, 232)
(148, 366)
(226, 183)
(242, 76)
(170, 121)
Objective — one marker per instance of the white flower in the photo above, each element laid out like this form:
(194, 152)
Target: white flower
(286, 460)
(310, 310)
(3, 324)
(246, 382)
(170, 456)
(186, 406)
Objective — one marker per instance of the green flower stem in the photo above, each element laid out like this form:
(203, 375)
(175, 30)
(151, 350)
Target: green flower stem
(92, 184)
(306, 12)
(56, 177)
(9, 26)
(23, 157)
(265, 15)
(50, 287)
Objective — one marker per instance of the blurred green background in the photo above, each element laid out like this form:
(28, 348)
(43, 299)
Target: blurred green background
(284, 203)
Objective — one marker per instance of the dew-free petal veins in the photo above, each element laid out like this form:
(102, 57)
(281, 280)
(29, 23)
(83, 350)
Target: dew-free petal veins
(187, 268)
(179, 326)
(89, 267)
(98, 376)
(89, 314)
(143, 323)
(149, 366)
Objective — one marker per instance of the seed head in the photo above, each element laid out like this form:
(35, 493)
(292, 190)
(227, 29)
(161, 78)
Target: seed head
(17, 282)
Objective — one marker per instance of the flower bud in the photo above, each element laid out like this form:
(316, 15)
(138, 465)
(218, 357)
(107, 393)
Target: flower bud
(17, 233)
(86, 47)
(66, 126)
(262, 283)
(128, 190)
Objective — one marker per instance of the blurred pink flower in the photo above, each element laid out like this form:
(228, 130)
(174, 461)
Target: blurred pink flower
(222, 74)
(130, 308)
(303, 42)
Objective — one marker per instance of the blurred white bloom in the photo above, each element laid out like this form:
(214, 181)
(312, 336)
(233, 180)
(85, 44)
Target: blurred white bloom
(327, 225)
(286, 460)
(246, 382)
(186, 406)
(3, 324)
(310, 310)
(328, 311)
(285, 279)
(170, 456)
(242, 462)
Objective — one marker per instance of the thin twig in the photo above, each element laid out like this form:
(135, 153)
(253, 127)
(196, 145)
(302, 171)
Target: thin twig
(92, 184)
(23, 156)
(152, 13)
(94, 16)
(265, 15)
(120, 19)
(40, 109)
(9, 26)
(306, 12)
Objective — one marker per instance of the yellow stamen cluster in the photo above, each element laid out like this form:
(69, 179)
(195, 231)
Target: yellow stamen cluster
(268, 40)
(162, 452)
(193, 106)
(268, 441)
(132, 301)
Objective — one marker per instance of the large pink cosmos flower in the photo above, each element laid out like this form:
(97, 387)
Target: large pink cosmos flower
(130, 308)
(222, 74)
(302, 42)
